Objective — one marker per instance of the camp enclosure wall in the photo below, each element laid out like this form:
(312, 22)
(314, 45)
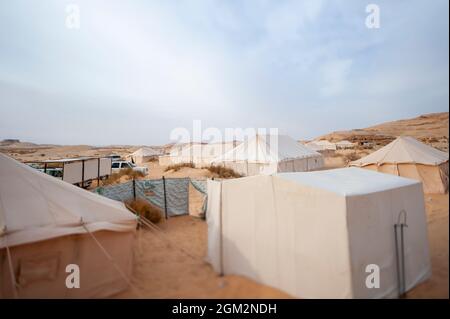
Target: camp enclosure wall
(313, 234)
(80, 170)
(292, 165)
(74, 172)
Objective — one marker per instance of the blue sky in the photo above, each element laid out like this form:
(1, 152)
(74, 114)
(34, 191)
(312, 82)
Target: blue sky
(135, 70)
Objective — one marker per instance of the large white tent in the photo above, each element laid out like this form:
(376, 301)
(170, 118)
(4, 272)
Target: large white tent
(199, 154)
(268, 154)
(410, 158)
(144, 154)
(313, 234)
(47, 224)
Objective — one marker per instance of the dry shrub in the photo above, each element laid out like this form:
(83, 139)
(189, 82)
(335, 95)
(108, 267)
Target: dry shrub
(129, 172)
(350, 157)
(177, 167)
(145, 209)
(223, 172)
(22, 151)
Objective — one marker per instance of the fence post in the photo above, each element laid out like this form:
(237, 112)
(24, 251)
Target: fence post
(165, 197)
(98, 172)
(134, 189)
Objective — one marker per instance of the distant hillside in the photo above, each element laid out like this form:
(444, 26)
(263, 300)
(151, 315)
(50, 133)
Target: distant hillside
(429, 128)
(15, 143)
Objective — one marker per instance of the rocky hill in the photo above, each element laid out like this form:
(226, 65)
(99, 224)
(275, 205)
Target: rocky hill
(429, 128)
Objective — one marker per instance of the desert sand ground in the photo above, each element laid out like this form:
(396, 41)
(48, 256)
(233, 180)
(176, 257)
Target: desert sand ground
(174, 266)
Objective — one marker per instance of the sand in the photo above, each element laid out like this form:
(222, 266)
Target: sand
(437, 218)
(174, 266)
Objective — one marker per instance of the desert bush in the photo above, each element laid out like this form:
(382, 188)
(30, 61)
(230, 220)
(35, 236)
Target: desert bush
(350, 157)
(177, 167)
(223, 172)
(145, 209)
(129, 172)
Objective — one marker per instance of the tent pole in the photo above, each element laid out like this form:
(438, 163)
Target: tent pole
(397, 258)
(113, 262)
(82, 174)
(402, 247)
(98, 172)
(165, 197)
(221, 233)
(11, 272)
(400, 253)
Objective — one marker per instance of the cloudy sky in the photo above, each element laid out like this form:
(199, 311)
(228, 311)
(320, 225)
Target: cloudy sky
(135, 70)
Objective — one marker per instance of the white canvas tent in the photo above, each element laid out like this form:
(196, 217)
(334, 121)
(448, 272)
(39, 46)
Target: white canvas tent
(268, 154)
(345, 144)
(410, 158)
(144, 154)
(199, 154)
(321, 145)
(312, 234)
(46, 224)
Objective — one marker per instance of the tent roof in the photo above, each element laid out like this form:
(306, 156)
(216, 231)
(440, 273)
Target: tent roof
(348, 181)
(404, 149)
(146, 151)
(35, 206)
(262, 149)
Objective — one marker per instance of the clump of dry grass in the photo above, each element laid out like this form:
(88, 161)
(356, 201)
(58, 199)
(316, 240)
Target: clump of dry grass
(177, 167)
(223, 172)
(350, 157)
(130, 173)
(145, 209)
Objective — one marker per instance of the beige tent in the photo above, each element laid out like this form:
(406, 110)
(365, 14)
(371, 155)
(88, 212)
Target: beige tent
(269, 154)
(313, 234)
(410, 158)
(144, 154)
(47, 224)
